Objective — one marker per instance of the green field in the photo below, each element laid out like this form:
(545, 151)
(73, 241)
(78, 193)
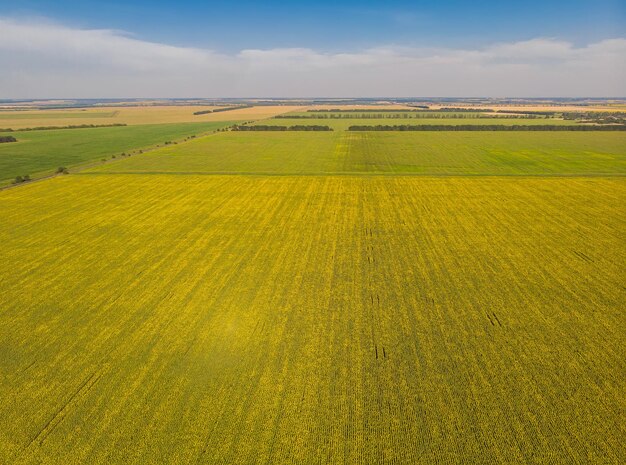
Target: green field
(432, 153)
(344, 123)
(16, 115)
(316, 297)
(41, 152)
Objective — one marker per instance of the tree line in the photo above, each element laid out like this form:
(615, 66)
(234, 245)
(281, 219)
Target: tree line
(414, 109)
(407, 116)
(465, 110)
(218, 110)
(364, 110)
(4, 139)
(598, 117)
(487, 127)
(72, 126)
(267, 127)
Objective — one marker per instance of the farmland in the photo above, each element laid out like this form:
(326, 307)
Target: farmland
(433, 153)
(288, 319)
(341, 124)
(43, 151)
(136, 115)
(314, 297)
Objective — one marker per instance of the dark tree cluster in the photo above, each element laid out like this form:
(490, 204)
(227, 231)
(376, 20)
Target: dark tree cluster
(4, 139)
(21, 179)
(267, 127)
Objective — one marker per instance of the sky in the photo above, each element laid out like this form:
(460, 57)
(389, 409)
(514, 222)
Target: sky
(143, 49)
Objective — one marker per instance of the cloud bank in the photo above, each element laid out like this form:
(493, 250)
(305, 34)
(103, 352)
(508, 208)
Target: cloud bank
(43, 60)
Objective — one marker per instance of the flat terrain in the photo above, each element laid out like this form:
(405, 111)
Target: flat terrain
(317, 297)
(342, 124)
(183, 319)
(433, 153)
(537, 107)
(132, 115)
(41, 152)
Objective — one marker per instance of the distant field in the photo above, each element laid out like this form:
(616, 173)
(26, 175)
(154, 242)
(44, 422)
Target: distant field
(100, 115)
(52, 114)
(331, 106)
(132, 115)
(376, 320)
(536, 107)
(431, 153)
(342, 124)
(402, 114)
(44, 151)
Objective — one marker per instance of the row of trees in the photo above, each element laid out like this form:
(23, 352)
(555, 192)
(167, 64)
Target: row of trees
(414, 109)
(487, 127)
(218, 110)
(72, 126)
(4, 139)
(363, 110)
(465, 110)
(267, 127)
(597, 117)
(407, 116)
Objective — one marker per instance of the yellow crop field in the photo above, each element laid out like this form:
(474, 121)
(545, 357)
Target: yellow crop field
(238, 319)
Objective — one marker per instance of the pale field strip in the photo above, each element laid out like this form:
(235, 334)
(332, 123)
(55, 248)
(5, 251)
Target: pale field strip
(133, 115)
(330, 106)
(144, 114)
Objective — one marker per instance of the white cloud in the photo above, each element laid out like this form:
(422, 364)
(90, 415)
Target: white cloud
(48, 60)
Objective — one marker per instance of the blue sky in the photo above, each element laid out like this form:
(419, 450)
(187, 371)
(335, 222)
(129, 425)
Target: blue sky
(337, 25)
(115, 48)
